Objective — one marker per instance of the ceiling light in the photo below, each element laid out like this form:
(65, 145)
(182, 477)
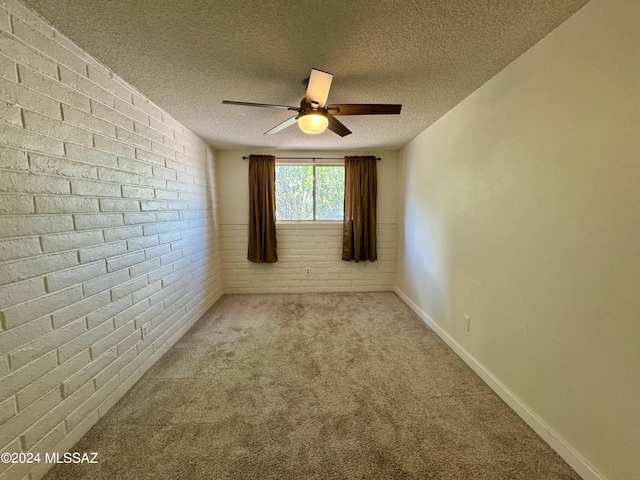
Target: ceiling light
(313, 121)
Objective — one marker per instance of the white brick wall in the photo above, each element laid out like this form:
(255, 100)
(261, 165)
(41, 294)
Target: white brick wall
(318, 246)
(106, 223)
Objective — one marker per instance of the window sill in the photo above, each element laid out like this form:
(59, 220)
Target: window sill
(308, 223)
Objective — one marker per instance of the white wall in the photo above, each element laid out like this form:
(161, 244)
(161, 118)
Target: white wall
(317, 245)
(521, 208)
(107, 223)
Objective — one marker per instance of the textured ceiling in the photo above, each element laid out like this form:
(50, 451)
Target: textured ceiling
(188, 56)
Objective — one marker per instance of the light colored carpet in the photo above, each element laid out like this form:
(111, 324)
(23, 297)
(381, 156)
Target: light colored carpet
(312, 386)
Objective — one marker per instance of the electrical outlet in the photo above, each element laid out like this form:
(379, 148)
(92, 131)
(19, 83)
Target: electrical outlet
(308, 270)
(467, 323)
(146, 328)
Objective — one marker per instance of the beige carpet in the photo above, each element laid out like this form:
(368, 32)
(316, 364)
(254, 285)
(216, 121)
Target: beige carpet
(313, 386)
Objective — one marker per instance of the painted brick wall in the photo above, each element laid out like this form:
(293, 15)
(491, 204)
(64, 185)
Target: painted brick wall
(107, 224)
(318, 246)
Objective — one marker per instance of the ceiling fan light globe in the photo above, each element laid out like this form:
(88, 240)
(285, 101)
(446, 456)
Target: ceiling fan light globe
(313, 123)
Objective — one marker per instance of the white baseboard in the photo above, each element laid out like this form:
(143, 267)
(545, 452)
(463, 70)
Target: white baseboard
(562, 448)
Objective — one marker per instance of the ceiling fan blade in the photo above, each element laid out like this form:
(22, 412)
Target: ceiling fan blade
(318, 88)
(282, 126)
(364, 109)
(251, 104)
(337, 127)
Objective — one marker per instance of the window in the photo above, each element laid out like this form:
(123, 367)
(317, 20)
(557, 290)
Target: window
(309, 192)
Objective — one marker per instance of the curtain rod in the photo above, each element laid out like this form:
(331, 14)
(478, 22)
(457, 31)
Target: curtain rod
(309, 158)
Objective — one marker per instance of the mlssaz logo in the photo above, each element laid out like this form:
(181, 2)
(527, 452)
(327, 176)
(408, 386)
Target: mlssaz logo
(71, 457)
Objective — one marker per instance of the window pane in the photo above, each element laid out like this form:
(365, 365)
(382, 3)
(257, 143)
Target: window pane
(294, 192)
(329, 193)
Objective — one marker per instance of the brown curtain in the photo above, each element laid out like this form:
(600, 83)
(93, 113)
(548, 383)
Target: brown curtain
(262, 209)
(360, 195)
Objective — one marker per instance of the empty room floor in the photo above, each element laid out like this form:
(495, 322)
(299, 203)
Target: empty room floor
(312, 386)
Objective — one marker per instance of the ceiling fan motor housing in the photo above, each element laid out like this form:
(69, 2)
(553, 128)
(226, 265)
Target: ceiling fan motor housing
(305, 106)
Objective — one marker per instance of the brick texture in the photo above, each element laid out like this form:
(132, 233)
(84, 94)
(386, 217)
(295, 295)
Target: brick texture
(106, 224)
(318, 246)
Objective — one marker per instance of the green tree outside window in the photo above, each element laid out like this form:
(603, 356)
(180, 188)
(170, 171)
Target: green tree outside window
(309, 192)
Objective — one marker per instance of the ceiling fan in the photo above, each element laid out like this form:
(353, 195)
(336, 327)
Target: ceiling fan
(314, 115)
